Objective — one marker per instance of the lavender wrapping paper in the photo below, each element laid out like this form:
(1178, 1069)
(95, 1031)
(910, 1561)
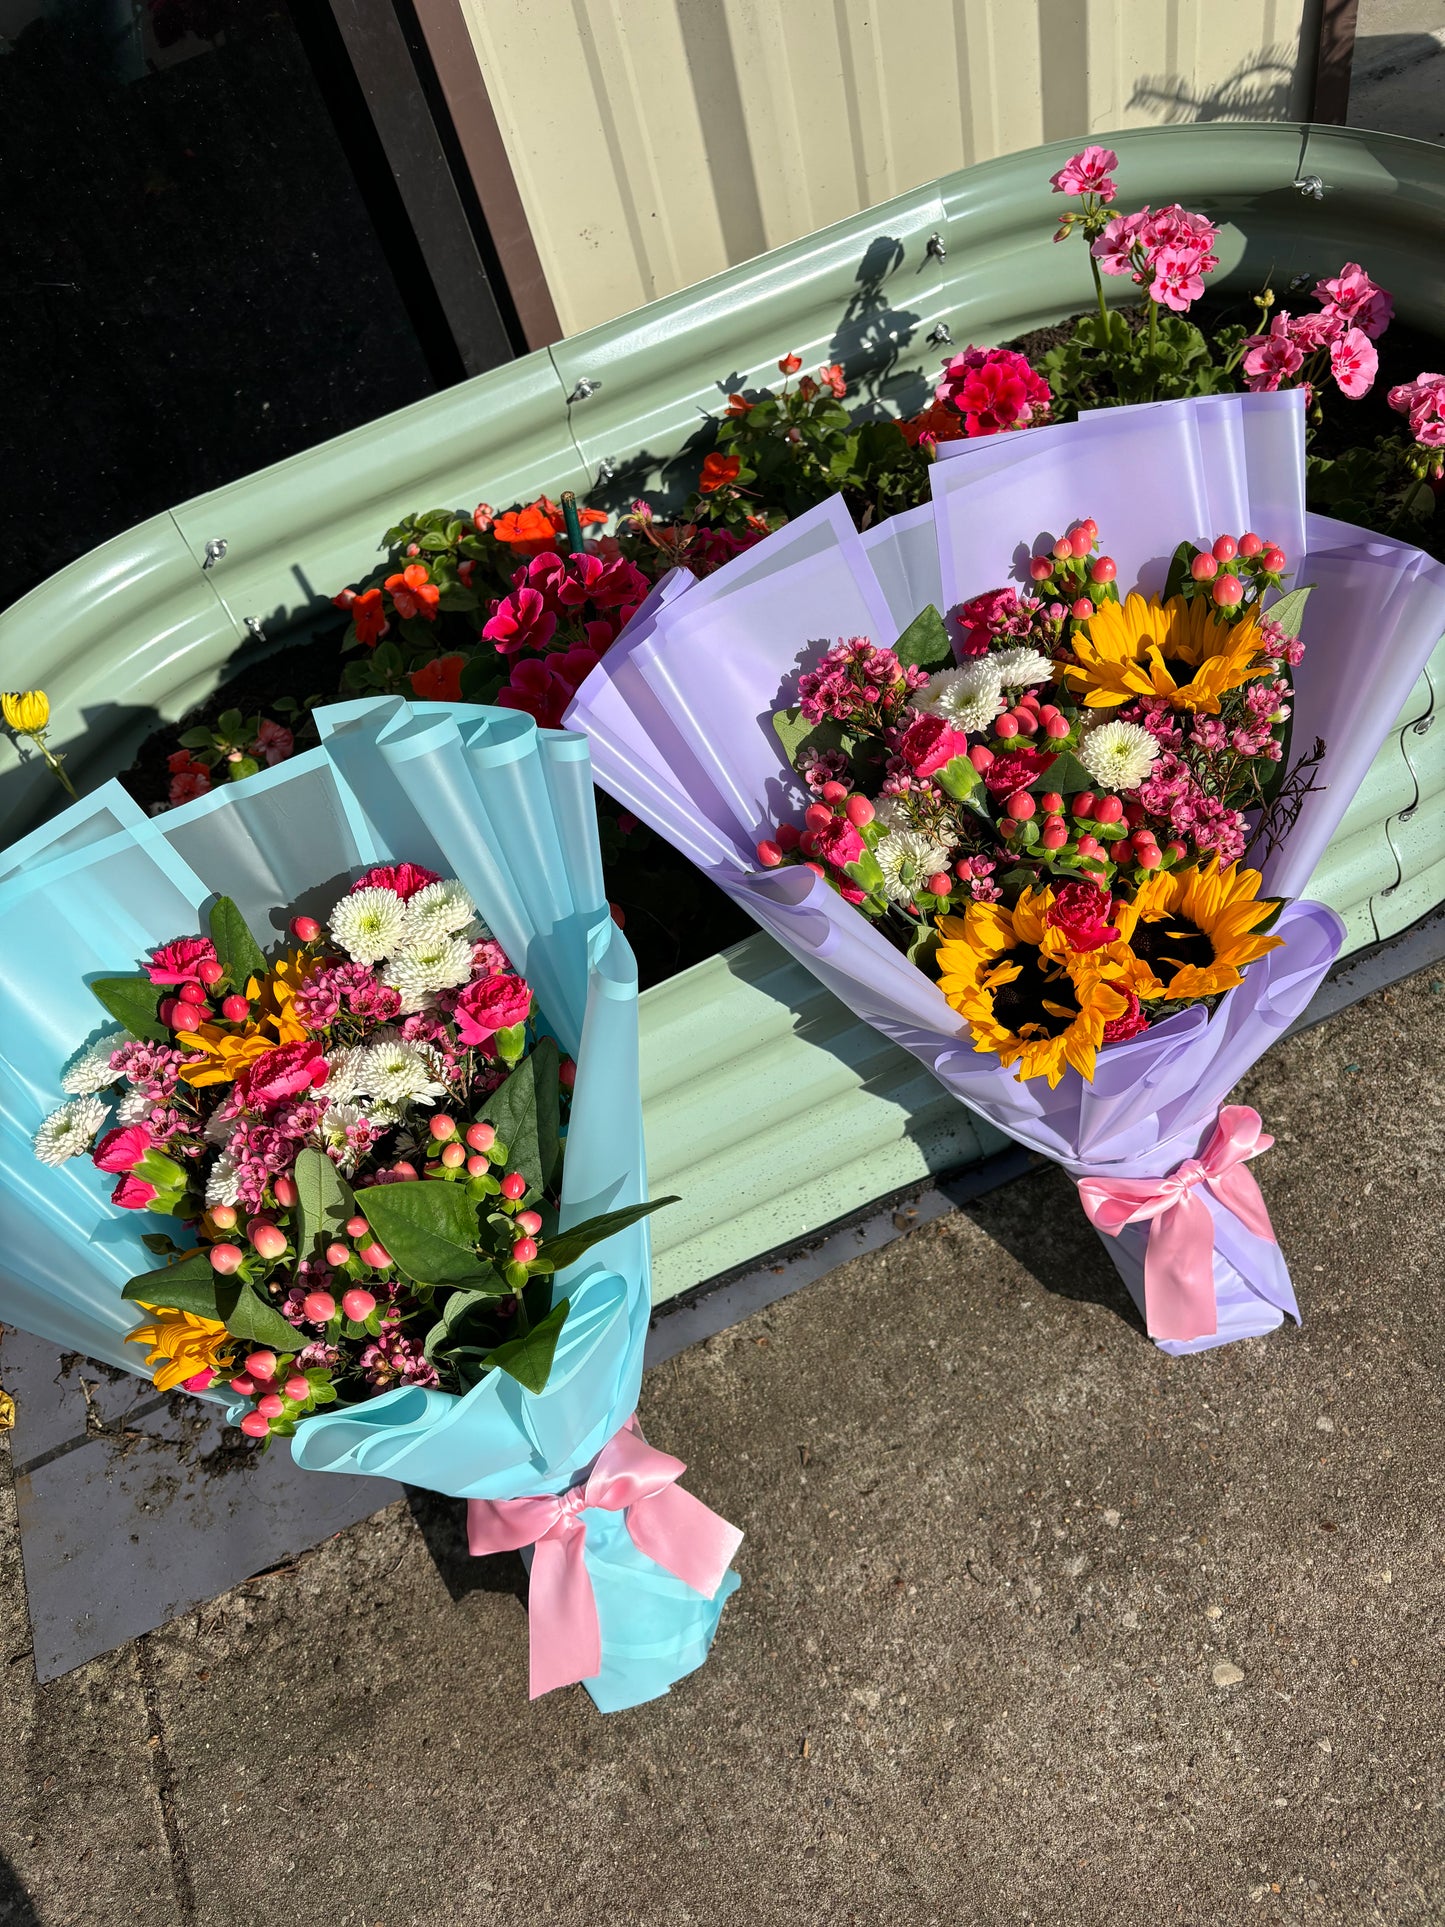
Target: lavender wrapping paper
(679, 711)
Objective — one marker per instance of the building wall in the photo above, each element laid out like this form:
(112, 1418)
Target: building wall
(658, 141)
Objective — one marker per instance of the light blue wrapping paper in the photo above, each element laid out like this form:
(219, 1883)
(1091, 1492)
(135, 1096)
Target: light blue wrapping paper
(679, 714)
(479, 794)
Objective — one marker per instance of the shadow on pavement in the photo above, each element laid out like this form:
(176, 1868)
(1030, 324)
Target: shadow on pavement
(442, 1523)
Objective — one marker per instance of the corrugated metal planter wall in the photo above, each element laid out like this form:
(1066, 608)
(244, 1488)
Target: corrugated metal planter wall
(767, 1107)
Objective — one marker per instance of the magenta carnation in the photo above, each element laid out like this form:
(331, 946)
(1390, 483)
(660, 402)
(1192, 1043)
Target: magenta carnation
(931, 743)
(493, 1004)
(405, 878)
(285, 1072)
(132, 1193)
(180, 962)
(122, 1149)
(838, 843)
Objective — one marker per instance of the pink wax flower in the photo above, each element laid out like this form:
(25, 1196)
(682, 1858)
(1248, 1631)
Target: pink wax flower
(1273, 357)
(122, 1149)
(820, 766)
(132, 1193)
(1357, 300)
(931, 743)
(405, 878)
(1177, 281)
(520, 621)
(180, 962)
(1088, 173)
(838, 843)
(994, 390)
(274, 742)
(285, 1072)
(1354, 363)
(1081, 911)
(493, 1004)
(489, 959)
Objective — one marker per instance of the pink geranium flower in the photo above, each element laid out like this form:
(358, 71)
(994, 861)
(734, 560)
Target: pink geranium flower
(1423, 400)
(1088, 173)
(1357, 300)
(180, 962)
(994, 389)
(1354, 363)
(1114, 249)
(1272, 358)
(1177, 280)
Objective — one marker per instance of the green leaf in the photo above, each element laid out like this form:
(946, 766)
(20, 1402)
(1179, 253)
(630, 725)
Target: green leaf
(134, 1002)
(429, 1228)
(1066, 774)
(1289, 611)
(189, 1285)
(526, 1115)
(1179, 569)
(528, 1358)
(250, 1318)
(568, 1246)
(322, 1196)
(238, 951)
(480, 678)
(195, 739)
(924, 643)
(796, 735)
(163, 1172)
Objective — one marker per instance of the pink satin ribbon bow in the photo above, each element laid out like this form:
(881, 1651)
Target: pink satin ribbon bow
(674, 1529)
(1179, 1260)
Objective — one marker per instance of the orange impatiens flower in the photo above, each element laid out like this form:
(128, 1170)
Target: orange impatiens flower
(439, 681)
(717, 472)
(739, 405)
(535, 529)
(414, 593)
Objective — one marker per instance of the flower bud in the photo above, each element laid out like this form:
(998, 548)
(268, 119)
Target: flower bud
(1057, 727)
(981, 756)
(235, 1009)
(297, 1388)
(255, 1425)
(374, 1255)
(443, 1127)
(358, 1304)
(1103, 569)
(1250, 546)
(1204, 568)
(338, 1255)
(1021, 806)
(210, 972)
(284, 1189)
(481, 1137)
(769, 855)
(454, 1156)
(1055, 833)
(530, 1222)
(1006, 728)
(270, 1405)
(223, 1216)
(524, 1251)
(833, 792)
(192, 994)
(261, 1365)
(859, 811)
(357, 1227)
(268, 1239)
(319, 1306)
(1225, 548)
(305, 929)
(1108, 809)
(940, 883)
(1082, 609)
(1041, 568)
(1228, 591)
(226, 1259)
(514, 1185)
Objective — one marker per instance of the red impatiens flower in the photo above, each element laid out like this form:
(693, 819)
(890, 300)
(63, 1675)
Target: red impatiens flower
(717, 472)
(831, 375)
(439, 681)
(367, 612)
(414, 593)
(189, 778)
(544, 686)
(274, 742)
(790, 364)
(738, 405)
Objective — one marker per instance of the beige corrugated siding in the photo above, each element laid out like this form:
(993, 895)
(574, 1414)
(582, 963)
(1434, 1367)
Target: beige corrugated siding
(658, 141)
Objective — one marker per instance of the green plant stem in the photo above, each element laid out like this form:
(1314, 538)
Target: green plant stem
(1153, 349)
(54, 765)
(1099, 291)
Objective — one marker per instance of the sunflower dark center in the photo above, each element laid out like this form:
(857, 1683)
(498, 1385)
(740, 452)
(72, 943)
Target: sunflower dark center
(1021, 1006)
(1170, 943)
(1182, 672)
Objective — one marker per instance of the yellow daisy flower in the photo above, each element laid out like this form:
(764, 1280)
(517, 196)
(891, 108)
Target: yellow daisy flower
(1026, 998)
(1189, 933)
(1179, 650)
(183, 1343)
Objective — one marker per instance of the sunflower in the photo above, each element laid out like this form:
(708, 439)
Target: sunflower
(1179, 650)
(1190, 933)
(184, 1344)
(1027, 998)
(226, 1051)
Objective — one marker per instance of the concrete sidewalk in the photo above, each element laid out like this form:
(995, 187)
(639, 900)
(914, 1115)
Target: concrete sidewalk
(1036, 1624)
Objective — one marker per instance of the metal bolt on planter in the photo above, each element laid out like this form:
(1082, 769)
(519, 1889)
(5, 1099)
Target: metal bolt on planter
(941, 337)
(606, 470)
(936, 247)
(585, 389)
(215, 551)
(1311, 186)
(258, 634)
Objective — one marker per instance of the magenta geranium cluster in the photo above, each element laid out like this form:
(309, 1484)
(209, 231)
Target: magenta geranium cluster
(1168, 252)
(563, 614)
(1296, 349)
(995, 389)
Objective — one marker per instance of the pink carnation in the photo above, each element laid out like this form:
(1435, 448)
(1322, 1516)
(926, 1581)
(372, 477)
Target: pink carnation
(132, 1193)
(1120, 1029)
(838, 843)
(490, 1005)
(122, 1149)
(405, 878)
(931, 743)
(285, 1072)
(1088, 173)
(180, 962)
(1081, 911)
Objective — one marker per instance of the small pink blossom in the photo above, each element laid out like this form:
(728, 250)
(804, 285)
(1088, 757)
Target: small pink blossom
(1354, 363)
(1088, 173)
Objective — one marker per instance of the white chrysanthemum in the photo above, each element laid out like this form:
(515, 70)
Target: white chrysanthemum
(220, 1129)
(89, 1070)
(968, 698)
(341, 1072)
(1020, 668)
(398, 1073)
(133, 1108)
(907, 860)
(223, 1182)
(368, 924)
(70, 1131)
(421, 968)
(440, 910)
(1118, 755)
(890, 812)
(336, 1121)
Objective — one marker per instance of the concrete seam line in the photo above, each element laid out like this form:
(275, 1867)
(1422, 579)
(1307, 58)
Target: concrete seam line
(164, 1774)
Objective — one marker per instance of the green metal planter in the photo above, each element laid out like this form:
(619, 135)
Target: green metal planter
(768, 1109)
